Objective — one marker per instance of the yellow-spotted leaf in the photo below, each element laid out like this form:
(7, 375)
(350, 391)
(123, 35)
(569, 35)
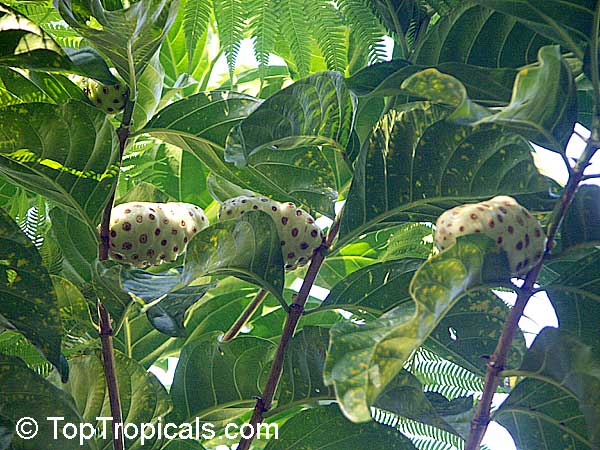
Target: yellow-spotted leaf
(28, 301)
(363, 359)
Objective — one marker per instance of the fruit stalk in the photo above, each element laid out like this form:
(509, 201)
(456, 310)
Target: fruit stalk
(263, 404)
(245, 316)
(496, 362)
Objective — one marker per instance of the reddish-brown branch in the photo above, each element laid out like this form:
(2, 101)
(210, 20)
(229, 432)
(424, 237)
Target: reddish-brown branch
(496, 362)
(264, 403)
(245, 316)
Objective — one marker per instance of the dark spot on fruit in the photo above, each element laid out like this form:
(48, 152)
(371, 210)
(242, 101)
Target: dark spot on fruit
(151, 216)
(166, 221)
(314, 233)
(519, 266)
(157, 232)
(538, 232)
(191, 214)
(263, 199)
(445, 238)
(298, 212)
(500, 218)
(119, 257)
(477, 230)
(284, 220)
(291, 205)
(473, 216)
(538, 255)
(302, 260)
(291, 255)
(282, 243)
(163, 242)
(109, 109)
(503, 209)
(183, 223)
(303, 245)
(288, 266)
(175, 249)
(499, 240)
(273, 208)
(127, 211)
(449, 225)
(461, 228)
(116, 100)
(255, 207)
(143, 238)
(139, 219)
(510, 229)
(113, 233)
(526, 262)
(127, 246)
(244, 201)
(135, 257)
(310, 221)
(126, 226)
(520, 221)
(194, 230)
(150, 252)
(229, 212)
(519, 245)
(526, 240)
(481, 208)
(294, 232)
(173, 231)
(99, 101)
(163, 256)
(242, 212)
(492, 224)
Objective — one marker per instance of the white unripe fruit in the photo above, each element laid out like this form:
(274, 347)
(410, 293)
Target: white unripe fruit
(297, 231)
(501, 218)
(144, 234)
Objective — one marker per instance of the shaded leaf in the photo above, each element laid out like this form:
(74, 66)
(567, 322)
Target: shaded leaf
(232, 373)
(581, 225)
(28, 300)
(311, 429)
(67, 153)
(39, 401)
(248, 248)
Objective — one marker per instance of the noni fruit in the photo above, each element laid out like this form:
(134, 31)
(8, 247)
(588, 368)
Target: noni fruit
(298, 233)
(512, 227)
(144, 234)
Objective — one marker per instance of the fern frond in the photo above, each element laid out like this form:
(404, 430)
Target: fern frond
(196, 17)
(423, 436)
(442, 376)
(329, 31)
(229, 15)
(294, 27)
(263, 21)
(364, 23)
(34, 223)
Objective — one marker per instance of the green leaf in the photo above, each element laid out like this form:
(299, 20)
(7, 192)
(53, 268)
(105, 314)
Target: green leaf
(575, 294)
(134, 33)
(483, 84)
(570, 370)
(479, 36)
(312, 429)
(416, 165)
(27, 46)
(581, 225)
(543, 107)
(67, 153)
(74, 311)
(248, 248)
(363, 359)
(286, 139)
(150, 87)
(107, 281)
(28, 302)
(375, 289)
(39, 401)
(302, 377)
(568, 23)
(217, 381)
(542, 416)
(470, 331)
(169, 304)
(143, 398)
